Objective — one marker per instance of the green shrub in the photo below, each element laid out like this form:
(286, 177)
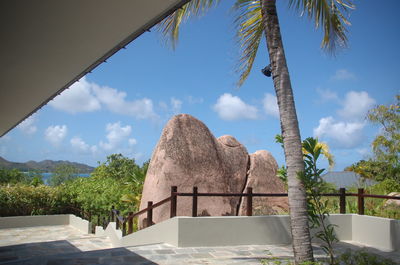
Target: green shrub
(21, 199)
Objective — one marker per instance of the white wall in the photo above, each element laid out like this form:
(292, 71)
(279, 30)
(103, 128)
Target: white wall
(44, 220)
(377, 232)
(343, 226)
(233, 230)
(380, 233)
(35, 220)
(113, 234)
(164, 232)
(79, 223)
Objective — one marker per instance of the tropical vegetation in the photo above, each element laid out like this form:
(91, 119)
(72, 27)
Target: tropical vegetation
(256, 19)
(117, 182)
(385, 162)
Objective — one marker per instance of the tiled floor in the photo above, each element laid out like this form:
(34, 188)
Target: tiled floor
(65, 245)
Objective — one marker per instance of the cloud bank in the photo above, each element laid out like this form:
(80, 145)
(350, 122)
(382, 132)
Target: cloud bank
(84, 96)
(232, 108)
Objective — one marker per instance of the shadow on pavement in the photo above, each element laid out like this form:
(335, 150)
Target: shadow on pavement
(64, 253)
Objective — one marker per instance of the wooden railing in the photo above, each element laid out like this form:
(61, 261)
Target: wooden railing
(126, 223)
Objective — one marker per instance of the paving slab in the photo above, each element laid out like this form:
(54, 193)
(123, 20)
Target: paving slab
(65, 245)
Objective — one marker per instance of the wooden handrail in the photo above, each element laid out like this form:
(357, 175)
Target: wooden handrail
(155, 205)
(174, 194)
(218, 194)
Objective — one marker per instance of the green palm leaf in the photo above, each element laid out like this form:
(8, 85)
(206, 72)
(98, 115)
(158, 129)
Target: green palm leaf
(330, 15)
(249, 31)
(169, 27)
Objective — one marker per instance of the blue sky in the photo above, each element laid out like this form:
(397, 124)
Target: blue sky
(122, 106)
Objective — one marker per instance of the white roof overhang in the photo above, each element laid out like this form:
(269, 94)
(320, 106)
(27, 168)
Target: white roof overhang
(47, 45)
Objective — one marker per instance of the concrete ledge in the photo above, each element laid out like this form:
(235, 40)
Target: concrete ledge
(168, 232)
(377, 232)
(380, 233)
(79, 223)
(34, 220)
(99, 231)
(233, 230)
(113, 234)
(44, 220)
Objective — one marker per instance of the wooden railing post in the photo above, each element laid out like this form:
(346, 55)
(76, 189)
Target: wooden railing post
(117, 220)
(149, 213)
(249, 207)
(105, 223)
(342, 204)
(194, 204)
(112, 214)
(173, 201)
(124, 228)
(361, 201)
(130, 223)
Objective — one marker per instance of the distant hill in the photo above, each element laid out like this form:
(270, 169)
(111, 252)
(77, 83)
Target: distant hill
(43, 166)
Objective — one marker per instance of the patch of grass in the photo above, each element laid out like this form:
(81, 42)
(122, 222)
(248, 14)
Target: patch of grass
(359, 257)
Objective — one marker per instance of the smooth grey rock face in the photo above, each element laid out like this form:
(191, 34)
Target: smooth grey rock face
(188, 155)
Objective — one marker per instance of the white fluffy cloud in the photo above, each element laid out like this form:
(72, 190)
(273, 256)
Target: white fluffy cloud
(356, 105)
(84, 96)
(115, 101)
(343, 134)
(115, 135)
(231, 107)
(326, 95)
(343, 74)
(271, 105)
(79, 145)
(77, 98)
(55, 134)
(118, 140)
(132, 141)
(28, 125)
(176, 105)
(194, 100)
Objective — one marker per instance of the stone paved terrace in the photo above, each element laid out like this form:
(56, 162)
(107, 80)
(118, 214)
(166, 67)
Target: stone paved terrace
(65, 245)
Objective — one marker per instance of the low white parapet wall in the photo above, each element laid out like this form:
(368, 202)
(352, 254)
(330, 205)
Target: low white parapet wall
(380, 233)
(377, 232)
(45, 220)
(79, 223)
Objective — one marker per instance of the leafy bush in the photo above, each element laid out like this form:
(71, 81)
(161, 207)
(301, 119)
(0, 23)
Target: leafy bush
(13, 176)
(117, 182)
(317, 208)
(21, 199)
(62, 174)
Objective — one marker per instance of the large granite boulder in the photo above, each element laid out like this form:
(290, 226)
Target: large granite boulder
(393, 202)
(262, 178)
(188, 155)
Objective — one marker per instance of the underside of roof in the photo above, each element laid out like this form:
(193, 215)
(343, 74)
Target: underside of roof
(47, 45)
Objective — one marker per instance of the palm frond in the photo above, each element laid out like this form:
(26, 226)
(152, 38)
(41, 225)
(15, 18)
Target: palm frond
(328, 155)
(330, 15)
(169, 27)
(312, 145)
(249, 31)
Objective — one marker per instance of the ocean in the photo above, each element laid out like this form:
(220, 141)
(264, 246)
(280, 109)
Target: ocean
(47, 175)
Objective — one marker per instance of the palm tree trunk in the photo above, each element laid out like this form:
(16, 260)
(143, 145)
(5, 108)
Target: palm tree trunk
(290, 132)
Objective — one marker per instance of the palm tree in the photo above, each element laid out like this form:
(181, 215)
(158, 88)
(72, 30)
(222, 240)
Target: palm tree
(255, 19)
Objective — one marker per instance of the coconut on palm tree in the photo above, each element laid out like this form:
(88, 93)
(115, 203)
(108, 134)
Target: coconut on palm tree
(256, 19)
